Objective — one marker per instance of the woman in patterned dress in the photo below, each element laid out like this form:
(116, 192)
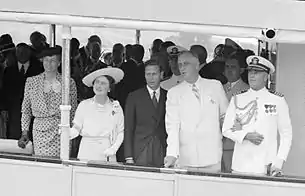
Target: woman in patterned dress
(100, 120)
(42, 98)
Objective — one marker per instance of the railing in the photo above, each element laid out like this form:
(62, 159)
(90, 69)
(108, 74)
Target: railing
(31, 175)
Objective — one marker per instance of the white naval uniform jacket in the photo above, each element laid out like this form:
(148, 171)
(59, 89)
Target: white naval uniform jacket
(272, 116)
(193, 126)
(238, 87)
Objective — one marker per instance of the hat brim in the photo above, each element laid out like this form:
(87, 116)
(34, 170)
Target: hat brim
(257, 68)
(50, 52)
(233, 44)
(179, 50)
(266, 63)
(116, 73)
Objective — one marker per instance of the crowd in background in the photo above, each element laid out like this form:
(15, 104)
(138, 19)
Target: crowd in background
(25, 68)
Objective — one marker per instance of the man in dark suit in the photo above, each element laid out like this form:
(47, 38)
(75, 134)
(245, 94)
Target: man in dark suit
(145, 135)
(15, 75)
(129, 83)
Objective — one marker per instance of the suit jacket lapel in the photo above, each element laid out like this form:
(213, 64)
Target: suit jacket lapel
(160, 108)
(150, 104)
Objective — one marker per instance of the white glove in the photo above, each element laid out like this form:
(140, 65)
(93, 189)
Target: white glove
(73, 133)
(109, 152)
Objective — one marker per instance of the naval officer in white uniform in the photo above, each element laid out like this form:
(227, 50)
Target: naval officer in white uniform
(176, 78)
(194, 109)
(253, 120)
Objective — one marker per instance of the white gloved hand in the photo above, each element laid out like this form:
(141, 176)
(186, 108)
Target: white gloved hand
(73, 133)
(109, 152)
(276, 167)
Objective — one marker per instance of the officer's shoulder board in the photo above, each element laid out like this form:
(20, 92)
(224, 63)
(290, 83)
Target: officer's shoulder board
(276, 93)
(239, 92)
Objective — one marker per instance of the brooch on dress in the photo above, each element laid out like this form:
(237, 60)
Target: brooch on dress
(115, 107)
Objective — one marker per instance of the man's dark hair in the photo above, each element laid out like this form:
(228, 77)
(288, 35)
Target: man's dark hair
(153, 62)
(128, 51)
(6, 39)
(95, 38)
(156, 45)
(117, 48)
(201, 52)
(138, 52)
(166, 44)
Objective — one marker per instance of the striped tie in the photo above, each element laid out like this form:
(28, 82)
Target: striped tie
(196, 92)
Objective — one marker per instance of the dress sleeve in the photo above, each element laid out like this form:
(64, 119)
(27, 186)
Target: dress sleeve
(79, 116)
(119, 128)
(73, 99)
(26, 107)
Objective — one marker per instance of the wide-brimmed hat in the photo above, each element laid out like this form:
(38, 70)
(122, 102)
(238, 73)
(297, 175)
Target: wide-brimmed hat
(116, 73)
(260, 63)
(50, 52)
(233, 44)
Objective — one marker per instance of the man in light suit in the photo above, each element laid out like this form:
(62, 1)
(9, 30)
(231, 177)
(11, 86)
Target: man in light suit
(194, 110)
(233, 70)
(253, 120)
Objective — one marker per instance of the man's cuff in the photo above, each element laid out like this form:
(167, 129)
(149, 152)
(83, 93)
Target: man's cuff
(25, 133)
(128, 158)
(278, 163)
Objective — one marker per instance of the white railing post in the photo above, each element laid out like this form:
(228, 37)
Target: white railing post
(65, 107)
(52, 35)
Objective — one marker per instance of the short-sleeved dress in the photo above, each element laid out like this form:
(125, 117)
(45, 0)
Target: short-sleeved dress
(100, 125)
(44, 106)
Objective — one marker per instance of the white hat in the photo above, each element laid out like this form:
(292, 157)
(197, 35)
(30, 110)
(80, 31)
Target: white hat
(175, 50)
(116, 73)
(260, 63)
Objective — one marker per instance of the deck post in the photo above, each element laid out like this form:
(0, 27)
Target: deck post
(65, 107)
(138, 36)
(52, 35)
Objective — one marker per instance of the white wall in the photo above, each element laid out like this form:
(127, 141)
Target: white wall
(28, 178)
(291, 82)
(270, 13)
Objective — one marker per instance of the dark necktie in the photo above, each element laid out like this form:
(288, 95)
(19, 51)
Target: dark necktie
(154, 100)
(22, 71)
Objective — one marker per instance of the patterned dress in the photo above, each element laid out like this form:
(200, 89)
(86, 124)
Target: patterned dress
(45, 108)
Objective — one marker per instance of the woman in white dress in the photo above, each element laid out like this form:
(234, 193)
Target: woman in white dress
(99, 120)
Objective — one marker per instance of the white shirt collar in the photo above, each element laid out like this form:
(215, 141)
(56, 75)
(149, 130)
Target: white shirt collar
(151, 92)
(259, 92)
(197, 83)
(26, 66)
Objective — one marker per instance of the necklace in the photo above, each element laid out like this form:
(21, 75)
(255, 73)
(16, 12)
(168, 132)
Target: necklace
(53, 85)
